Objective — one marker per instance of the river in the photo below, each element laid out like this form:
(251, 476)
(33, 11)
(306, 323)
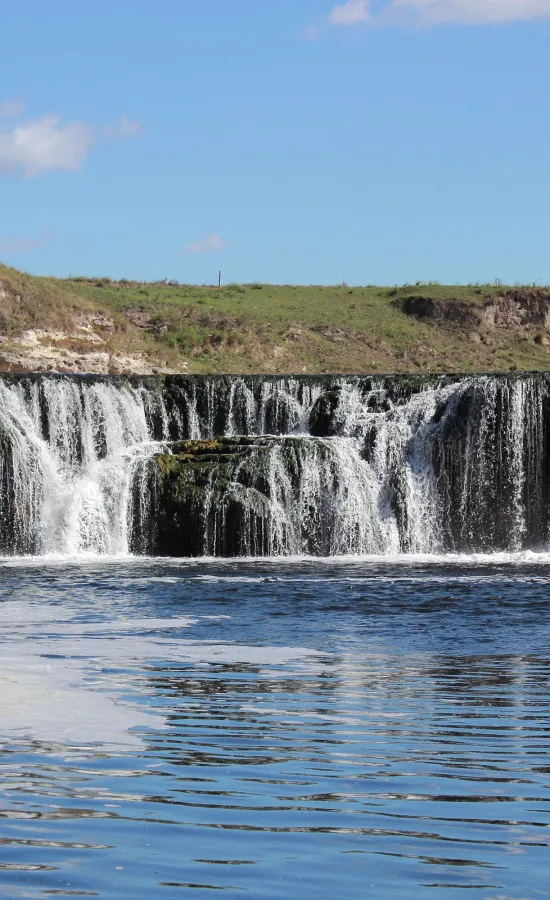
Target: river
(275, 728)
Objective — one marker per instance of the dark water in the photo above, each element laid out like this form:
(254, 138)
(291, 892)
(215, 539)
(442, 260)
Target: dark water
(291, 729)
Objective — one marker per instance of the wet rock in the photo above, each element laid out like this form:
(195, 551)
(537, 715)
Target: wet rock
(322, 419)
(211, 498)
(239, 497)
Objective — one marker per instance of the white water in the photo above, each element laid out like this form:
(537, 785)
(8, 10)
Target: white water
(329, 488)
(398, 475)
(71, 486)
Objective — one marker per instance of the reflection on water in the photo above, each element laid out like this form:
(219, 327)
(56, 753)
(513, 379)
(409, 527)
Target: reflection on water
(274, 730)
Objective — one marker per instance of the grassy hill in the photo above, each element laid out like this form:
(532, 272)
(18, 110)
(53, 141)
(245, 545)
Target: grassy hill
(95, 324)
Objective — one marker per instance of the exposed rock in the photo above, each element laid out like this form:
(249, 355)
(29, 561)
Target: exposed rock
(144, 321)
(87, 322)
(515, 310)
(294, 333)
(321, 418)
(208, 500)
(34, 353)
(248, 496)
(521, 307)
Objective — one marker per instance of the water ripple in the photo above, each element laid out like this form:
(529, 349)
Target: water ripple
(368, 731)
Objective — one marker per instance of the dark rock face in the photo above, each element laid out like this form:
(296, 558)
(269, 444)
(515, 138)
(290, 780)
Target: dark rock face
(197, 510)
(490, 456)
(238, 497)
(8, 540)
(321, 419)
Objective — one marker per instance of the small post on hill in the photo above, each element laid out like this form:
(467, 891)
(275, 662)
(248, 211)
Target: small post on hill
(219, 279)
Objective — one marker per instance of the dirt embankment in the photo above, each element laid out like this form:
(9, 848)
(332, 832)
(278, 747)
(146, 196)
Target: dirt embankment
(43, 332)
(524, 311)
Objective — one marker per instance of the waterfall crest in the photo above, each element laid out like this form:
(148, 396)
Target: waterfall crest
(269, 465)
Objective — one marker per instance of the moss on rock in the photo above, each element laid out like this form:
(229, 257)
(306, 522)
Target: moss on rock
(213, 496)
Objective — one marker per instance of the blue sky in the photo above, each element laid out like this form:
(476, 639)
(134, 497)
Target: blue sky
(302, 141)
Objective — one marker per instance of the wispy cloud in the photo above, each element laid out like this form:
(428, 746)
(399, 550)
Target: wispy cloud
(313, 32)
(14, 246)
(471, 12)
(11, 109)
(125, 128)
(209, 244)
(36, 146)
(355, 13)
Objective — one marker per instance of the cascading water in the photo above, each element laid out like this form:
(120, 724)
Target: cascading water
(328, 465)
(71, 450)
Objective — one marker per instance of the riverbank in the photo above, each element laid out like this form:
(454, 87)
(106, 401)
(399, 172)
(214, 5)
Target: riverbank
(102, 326)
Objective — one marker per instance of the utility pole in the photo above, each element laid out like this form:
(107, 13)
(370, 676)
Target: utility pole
(219, 279)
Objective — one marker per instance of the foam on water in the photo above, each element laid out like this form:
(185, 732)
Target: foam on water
(71, 683)
(401, 559)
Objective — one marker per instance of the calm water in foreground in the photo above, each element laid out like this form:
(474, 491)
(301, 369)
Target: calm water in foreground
(275, 729)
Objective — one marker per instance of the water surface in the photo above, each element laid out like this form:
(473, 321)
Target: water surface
(275, 729)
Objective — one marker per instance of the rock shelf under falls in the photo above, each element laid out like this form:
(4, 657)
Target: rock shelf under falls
(268, 465)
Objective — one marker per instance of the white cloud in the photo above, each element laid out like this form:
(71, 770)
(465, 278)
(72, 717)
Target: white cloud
(13, 246)
(437, 12)
(209, 244)
(10, 109)
(125, 128)
(471, 12)
(44, 145)
(354, 12)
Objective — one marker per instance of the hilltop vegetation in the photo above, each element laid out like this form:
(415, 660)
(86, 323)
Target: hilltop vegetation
(99, 325)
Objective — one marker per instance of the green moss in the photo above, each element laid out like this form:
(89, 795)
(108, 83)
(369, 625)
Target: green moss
(191, 449)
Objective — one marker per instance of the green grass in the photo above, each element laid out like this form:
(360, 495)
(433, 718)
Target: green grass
(279, 328)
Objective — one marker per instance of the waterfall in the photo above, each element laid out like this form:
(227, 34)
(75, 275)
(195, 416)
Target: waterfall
(328, 465)
(72, 448)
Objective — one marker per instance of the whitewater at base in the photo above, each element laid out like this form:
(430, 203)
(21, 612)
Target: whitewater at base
(331, 466)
